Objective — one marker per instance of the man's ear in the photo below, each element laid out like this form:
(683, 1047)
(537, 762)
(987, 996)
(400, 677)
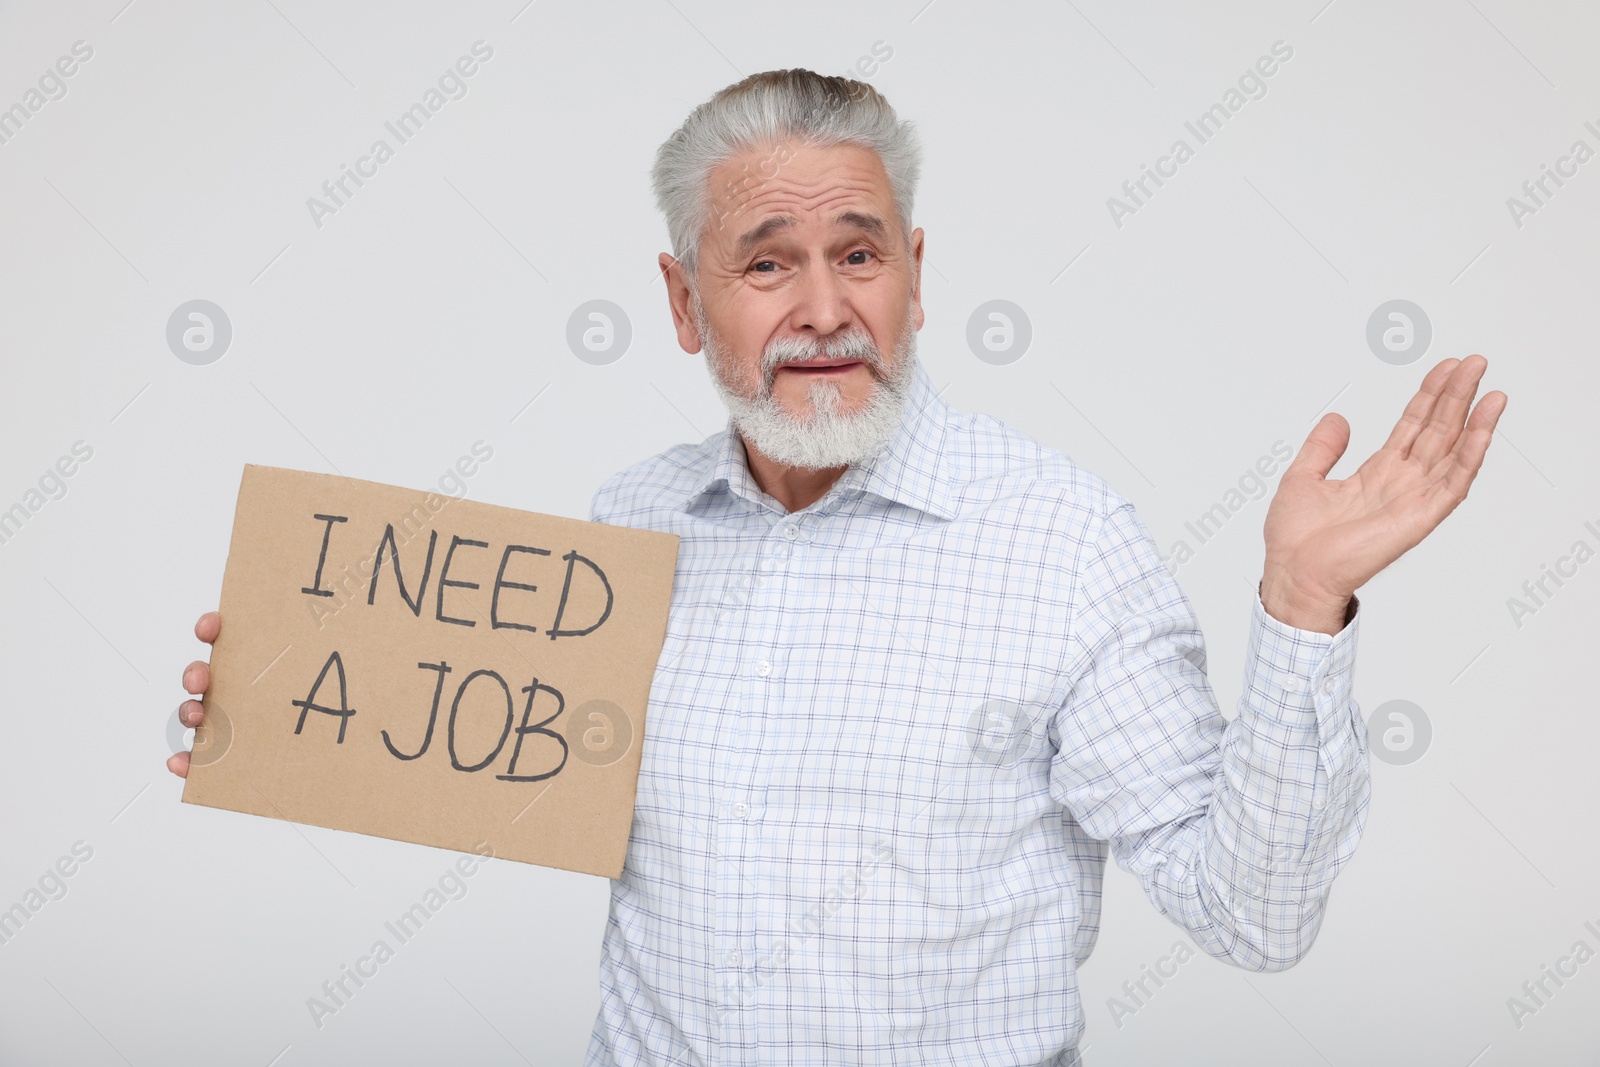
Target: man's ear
(672, 272)
(916, 272)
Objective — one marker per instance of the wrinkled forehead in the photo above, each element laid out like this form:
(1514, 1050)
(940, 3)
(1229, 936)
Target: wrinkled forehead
(786, 189)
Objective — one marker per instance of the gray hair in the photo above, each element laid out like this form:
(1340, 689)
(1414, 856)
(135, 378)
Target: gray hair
(770, 108)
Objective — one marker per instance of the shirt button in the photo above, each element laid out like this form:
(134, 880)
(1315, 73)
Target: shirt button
(741, 809)
(1293, 684)
(734, 958)
(763, 668)
(790, 532)
(1329, 685)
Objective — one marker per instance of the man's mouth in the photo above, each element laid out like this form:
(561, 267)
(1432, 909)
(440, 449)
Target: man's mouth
(822, 367)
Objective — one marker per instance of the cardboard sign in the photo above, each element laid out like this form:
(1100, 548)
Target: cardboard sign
(423, 668)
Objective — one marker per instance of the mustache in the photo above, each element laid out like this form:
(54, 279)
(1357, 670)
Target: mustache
(853, 344)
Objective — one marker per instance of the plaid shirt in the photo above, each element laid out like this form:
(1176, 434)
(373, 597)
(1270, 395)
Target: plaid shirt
(893, 734)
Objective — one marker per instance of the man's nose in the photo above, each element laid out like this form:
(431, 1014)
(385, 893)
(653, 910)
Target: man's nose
(821, 306)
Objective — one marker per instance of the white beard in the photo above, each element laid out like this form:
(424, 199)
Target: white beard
(827, 437)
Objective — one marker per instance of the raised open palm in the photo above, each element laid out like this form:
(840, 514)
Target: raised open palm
(1325, 538)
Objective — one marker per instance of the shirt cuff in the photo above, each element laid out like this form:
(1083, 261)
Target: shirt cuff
(1301, 677)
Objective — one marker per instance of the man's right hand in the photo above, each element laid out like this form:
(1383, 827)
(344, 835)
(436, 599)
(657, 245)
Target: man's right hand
(196, 679)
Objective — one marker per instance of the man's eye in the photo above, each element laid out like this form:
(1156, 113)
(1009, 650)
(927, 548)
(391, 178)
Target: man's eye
(762, 266)
(853, 261)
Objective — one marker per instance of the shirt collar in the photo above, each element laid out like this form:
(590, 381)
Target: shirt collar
(910, 470)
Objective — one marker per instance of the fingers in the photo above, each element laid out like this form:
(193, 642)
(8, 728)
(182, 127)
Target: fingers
(1486, 416)
(1438, 437)
(197, 677)
(191, 713)
(1415, 416)
(1467, 456)
(1323, 446)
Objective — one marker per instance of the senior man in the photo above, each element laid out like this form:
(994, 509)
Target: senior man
(922, 672)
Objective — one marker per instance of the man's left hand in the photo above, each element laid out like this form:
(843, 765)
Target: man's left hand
(1326, 538)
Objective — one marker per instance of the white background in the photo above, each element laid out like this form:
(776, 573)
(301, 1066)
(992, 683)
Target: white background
(427, 313)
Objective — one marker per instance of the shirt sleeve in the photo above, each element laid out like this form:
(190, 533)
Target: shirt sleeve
(601, 504)
(1235, 829)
